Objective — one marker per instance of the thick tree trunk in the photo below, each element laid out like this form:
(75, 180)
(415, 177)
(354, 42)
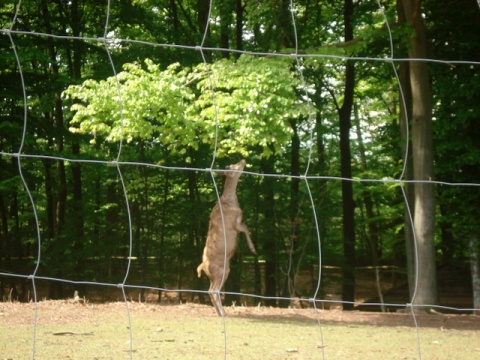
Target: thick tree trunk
(345, 112)
(422, 151)
(405, 115)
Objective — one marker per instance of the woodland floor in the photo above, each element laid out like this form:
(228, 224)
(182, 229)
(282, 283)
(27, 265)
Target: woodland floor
(61, 311)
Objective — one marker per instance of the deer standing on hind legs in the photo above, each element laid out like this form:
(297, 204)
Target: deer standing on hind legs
(225, 224)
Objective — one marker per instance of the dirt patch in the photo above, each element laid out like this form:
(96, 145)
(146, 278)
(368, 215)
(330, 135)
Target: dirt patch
(66, 312)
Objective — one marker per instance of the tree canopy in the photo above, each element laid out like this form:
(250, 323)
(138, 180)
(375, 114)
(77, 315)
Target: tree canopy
(238, 104)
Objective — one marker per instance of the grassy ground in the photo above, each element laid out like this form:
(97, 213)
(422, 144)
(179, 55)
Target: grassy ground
(101, 331)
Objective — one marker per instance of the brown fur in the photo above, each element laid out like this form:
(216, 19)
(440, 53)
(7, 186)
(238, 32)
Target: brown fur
(220, 247)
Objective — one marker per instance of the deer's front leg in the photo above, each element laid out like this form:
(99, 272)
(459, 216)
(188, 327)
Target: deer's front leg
(241, 227)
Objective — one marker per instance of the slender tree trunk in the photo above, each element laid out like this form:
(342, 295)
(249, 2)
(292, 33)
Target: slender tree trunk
(422, 151)
(226, 9)
(111, 225)
(292, 243)
(50, 209)
(286, 38)
(17, 250)
(193, 220)
(163, 227)
(257, 227)
(77, 191)
(322, 163)
(239, 24)
(295, 171)
(321, 157)
(5, 255)
(345, 112)
(372, 234)
(5, 250)
(203, 24)
(447, 244)
(270, 247)
(175, 21)
(475, 271)
(143, 225)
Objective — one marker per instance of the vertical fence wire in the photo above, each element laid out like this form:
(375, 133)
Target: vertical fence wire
(18, 156)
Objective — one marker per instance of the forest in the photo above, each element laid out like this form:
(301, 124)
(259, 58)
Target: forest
(113, 115)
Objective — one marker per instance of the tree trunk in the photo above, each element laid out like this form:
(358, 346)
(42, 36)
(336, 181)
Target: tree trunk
(291, 242)
(405, 115)
(239, 24)
(475, 271)
(422, 152)
(15, 243)
(77, 191)
(448, 242)
(345, 112)
(4, 234)
(175, 22)
(226, 10)
(269, 238)
(163, 227)
(372, 224)
(203, 25)
(111, 226)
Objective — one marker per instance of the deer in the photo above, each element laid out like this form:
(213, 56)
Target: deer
(224, 225)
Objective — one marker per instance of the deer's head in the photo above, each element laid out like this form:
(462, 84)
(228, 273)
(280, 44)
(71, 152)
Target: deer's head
(236, 169)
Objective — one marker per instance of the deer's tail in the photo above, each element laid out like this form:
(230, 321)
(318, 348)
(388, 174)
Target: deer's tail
(199, 269)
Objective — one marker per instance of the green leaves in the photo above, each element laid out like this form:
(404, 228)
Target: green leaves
(240, 105)
(137, 104)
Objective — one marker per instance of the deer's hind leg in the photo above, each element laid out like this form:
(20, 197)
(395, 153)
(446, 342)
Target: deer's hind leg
(214, 292)
(217, 280)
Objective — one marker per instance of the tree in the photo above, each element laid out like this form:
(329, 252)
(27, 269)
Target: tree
(252, 106)
(344, 114)
(422, 154)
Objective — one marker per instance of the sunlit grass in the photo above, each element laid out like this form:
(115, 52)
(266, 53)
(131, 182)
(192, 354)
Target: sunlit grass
(69, 331)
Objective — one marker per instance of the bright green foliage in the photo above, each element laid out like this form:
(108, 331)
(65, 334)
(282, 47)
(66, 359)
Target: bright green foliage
(251, 100)
(242, 104)
(137, 104)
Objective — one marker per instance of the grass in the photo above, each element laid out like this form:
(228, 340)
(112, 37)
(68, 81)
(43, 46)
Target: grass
(68, 331)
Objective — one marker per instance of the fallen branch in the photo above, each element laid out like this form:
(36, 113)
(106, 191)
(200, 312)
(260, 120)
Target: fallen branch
(72, 333)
